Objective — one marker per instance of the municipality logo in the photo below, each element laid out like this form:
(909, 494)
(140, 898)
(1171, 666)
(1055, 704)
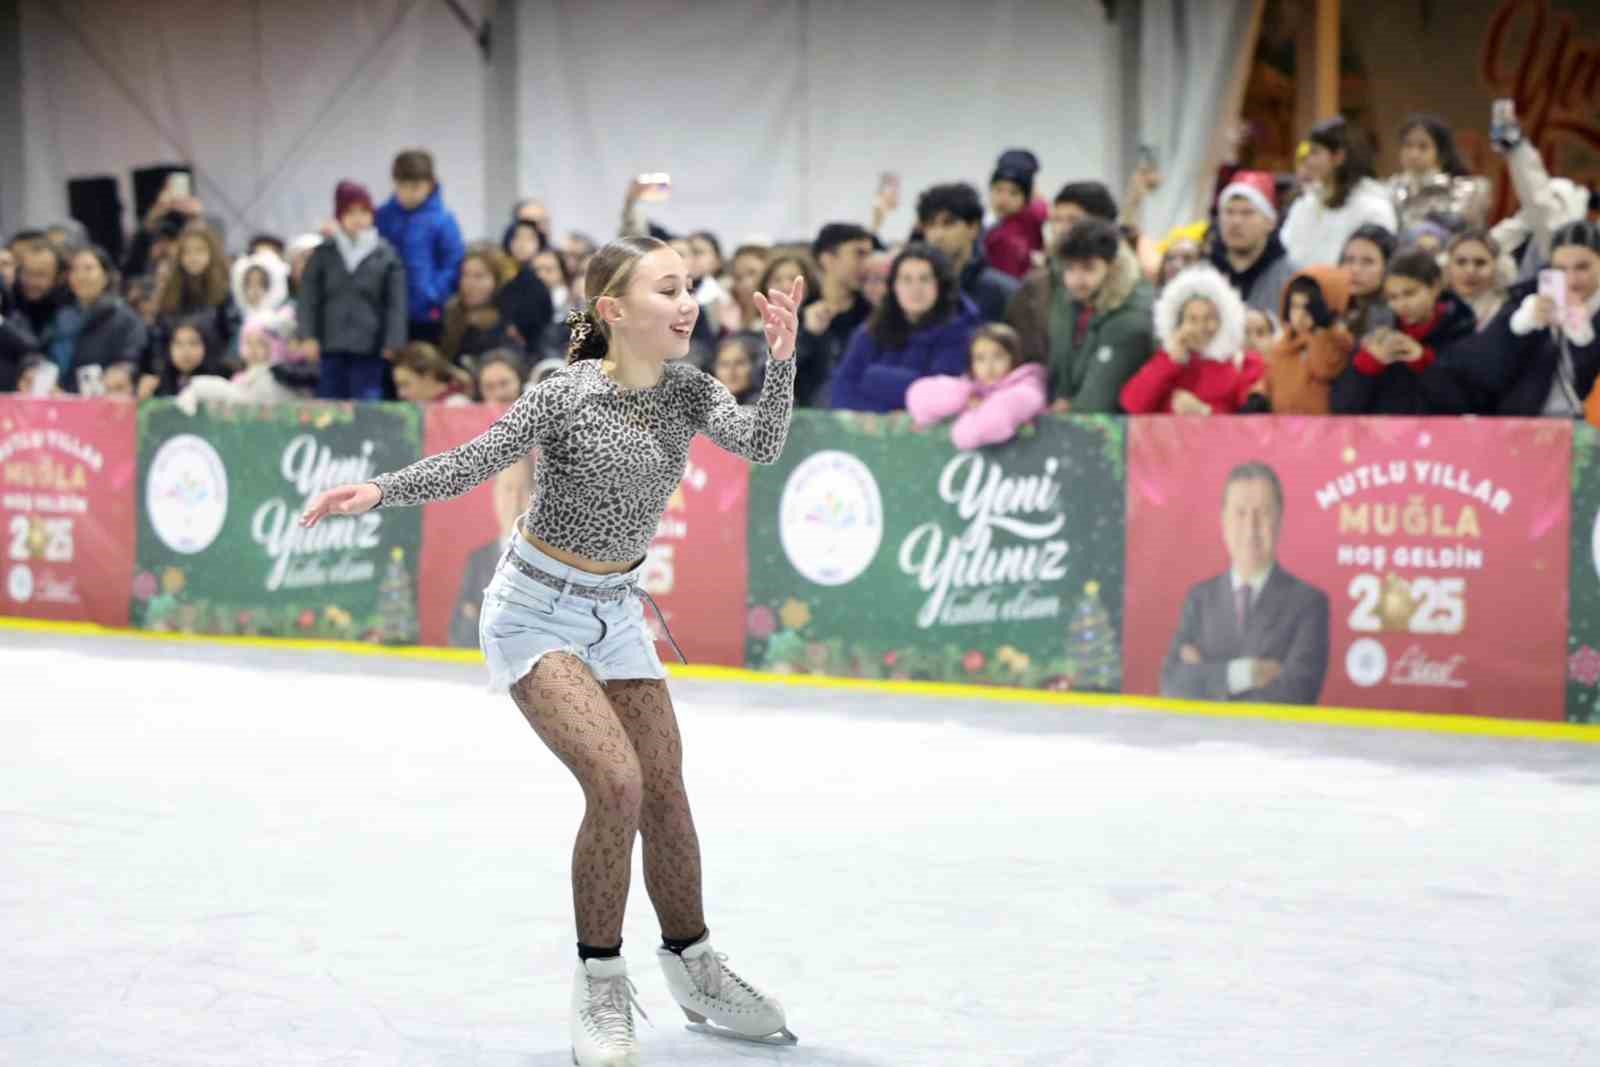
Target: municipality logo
(830, 520)
(1366, 663)
(186, 494)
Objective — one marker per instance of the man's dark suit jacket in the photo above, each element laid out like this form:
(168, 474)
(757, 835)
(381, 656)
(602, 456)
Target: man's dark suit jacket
(1289, 623)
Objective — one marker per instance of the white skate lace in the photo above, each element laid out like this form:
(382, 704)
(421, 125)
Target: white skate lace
(708, 972)
(610, 1000)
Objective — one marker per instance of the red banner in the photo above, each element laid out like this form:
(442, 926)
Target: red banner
(68, 472)
(695, 568)
(463, 538)
(1405, 564)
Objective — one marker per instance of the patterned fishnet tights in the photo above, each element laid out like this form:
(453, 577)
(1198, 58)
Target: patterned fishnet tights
(621, 742)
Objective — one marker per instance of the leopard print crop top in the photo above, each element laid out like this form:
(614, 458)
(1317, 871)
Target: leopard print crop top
(609, 457)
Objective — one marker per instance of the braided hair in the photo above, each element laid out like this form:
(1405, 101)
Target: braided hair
(610, 271)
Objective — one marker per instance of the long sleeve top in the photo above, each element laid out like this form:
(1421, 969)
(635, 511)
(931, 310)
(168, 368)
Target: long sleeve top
(609, 457)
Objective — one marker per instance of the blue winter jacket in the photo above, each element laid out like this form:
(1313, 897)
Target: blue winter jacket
(870, 379)
(429, 242)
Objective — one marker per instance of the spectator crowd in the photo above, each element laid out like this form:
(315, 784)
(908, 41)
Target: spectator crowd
(1328, 291)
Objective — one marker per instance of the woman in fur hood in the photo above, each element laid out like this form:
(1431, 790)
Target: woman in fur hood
(1203, 366)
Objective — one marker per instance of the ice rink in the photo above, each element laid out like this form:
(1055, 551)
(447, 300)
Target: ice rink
(211, 856)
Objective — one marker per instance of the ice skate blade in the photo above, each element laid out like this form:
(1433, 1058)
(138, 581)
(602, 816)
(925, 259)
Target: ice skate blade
(782, 1039)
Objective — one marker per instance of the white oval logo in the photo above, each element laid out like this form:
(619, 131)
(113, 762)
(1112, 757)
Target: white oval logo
(1366, 663)
(186, 494)
(19, 583)
(830, 520)
(1594, 544)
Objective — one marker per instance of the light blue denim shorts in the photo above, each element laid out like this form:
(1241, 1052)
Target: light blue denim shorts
(524, 619)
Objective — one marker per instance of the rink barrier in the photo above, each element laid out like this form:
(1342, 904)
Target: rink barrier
(1058, 564)
(1357, 718)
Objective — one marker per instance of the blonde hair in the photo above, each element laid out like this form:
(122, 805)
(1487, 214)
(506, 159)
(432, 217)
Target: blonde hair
(610, 271)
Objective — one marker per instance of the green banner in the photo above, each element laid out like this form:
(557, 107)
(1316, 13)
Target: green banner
(1583, 602)
(220, 548)
(878, 551)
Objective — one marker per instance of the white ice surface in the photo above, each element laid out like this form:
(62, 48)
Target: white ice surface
(211, 857)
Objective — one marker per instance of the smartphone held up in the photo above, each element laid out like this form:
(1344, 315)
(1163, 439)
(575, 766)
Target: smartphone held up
(654, 186)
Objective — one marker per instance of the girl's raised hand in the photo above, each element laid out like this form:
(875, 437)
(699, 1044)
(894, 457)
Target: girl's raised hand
(341, 500)
(780, 316)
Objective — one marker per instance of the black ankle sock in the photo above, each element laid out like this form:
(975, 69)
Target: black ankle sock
(673, 944)
(599, 952)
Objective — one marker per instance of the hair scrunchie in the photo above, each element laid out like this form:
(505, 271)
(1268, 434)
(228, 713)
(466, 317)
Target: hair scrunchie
(587, 342)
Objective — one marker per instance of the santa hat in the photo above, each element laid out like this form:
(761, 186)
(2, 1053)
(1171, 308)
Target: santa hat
(1257, 187)
(350, 194)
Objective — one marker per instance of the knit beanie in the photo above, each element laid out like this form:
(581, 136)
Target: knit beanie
(350, 194)
(1018, 166)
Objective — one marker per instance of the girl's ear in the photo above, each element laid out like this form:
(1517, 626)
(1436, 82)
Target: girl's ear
(609, 309)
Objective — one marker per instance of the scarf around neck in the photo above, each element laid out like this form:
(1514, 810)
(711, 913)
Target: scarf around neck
(354, 250)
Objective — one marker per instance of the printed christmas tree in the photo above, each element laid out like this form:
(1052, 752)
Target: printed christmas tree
(397, 602)
(1092, 644)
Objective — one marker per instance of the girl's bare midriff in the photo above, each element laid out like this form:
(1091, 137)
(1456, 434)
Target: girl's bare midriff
(593, 566)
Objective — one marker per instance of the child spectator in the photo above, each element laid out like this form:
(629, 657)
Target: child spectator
(1433, 180)
(193, 350)
(268, 244)
(1260, 329)
(264, 351)
(522, 241)
(500, 377)
(197, 285)
(473, 322)
(1366, 258)
(1405, 369)
(1203, 367)
(922, 327)
(1475, 273)
(739, 367)
(1018, 232)
(120, 380)
(1090, 322)
(428, 239)
(997, 395)
(1314, 348)
(260, 283)
(423, 376)
(109, 331)
(352, 306)
(1343, 197)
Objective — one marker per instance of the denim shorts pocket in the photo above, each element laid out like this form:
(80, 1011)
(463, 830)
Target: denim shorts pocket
(520, 593)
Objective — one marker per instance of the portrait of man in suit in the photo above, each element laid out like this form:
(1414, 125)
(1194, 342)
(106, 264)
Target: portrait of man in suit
(1255, 632)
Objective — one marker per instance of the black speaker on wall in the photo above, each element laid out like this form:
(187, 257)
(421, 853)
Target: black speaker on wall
(95, 202)
(148, 183)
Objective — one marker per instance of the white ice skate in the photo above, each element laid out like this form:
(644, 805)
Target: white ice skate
(602, 1015)
(719, 1002)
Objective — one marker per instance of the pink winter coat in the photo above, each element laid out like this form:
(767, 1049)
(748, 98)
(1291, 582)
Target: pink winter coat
(1001, 409)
